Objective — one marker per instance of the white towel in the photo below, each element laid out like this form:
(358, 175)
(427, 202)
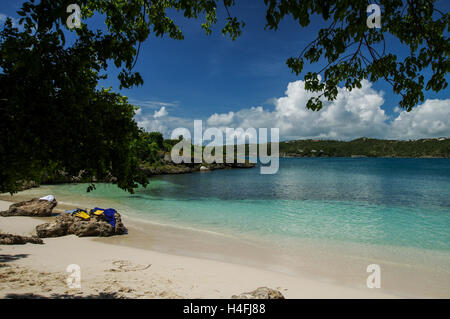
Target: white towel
(49, 198)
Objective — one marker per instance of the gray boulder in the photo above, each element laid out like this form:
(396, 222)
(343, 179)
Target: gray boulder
(34, 208)
(120, 228)
(57, 228)
(67, 224)
(260, 293)
(91, 228)
(9, 239)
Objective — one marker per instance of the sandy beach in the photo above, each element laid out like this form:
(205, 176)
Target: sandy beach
(111, 267)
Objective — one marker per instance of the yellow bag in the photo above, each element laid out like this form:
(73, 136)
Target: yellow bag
(97, 212)
(82, 214)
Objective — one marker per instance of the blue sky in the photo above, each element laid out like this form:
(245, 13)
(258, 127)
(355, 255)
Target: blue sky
(205, 75)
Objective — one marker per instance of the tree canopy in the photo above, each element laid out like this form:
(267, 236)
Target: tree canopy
(351, 50)
(54, 116)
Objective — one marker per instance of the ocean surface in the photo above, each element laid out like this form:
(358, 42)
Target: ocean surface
(328, 218)
(379, 201)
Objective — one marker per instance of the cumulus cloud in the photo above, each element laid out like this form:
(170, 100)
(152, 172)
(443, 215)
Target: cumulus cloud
(162, 112)
(220, 119)
(160, 121)
(353, 114)
(430, 119)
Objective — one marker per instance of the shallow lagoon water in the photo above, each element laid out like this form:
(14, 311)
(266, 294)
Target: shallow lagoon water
(326, 217)
(382, 201)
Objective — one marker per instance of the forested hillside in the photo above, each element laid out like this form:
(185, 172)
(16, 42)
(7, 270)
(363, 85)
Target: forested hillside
(367, 147)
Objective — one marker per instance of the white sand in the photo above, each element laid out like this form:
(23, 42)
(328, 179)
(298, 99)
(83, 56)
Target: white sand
(120, 271)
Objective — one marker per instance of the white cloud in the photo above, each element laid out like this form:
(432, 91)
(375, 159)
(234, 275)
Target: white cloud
(430, 119)
(164, 124)
(220, 119)
(3, 18)
(151, 104)
(353, 114)
(162, 112)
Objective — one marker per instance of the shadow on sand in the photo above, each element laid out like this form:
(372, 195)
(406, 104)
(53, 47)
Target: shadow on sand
(101, 295)
(8, 258)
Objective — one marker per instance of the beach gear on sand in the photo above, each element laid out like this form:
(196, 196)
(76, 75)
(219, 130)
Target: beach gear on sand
(81, 213)
(96, 211)
(110, 216)
(49, 198)
(108, 213)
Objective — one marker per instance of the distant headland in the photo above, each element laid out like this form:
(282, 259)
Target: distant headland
(367, 147)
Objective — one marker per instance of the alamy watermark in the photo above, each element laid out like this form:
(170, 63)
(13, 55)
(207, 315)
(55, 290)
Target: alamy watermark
(374, 279)
(234, 139)
(74, 19)
(73, 281)
(374, 19)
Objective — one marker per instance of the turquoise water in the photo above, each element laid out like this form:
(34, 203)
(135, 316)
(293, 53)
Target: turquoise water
(395, 202)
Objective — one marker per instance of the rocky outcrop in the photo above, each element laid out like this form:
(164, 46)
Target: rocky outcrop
(215, 166)
(167, 169)
(27, 185)
(9, 239)
(189, 168)
(260, 293)
(34, 208)
(67, 224)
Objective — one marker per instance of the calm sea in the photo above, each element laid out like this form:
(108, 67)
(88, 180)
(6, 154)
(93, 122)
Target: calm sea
(380, 201)
(325, 217)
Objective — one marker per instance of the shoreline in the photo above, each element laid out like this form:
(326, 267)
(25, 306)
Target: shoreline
(338, 264)
(184, 169)
(114, 267)
(342, 265)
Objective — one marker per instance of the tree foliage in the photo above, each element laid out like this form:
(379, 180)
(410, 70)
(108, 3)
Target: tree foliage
(128, 24)
(350, 49)
(54, 117)
(353, 51)
(149, 146)
(367, 147)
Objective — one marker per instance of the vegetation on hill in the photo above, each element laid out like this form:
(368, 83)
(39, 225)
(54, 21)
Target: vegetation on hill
(154, 154)
(367, 147)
